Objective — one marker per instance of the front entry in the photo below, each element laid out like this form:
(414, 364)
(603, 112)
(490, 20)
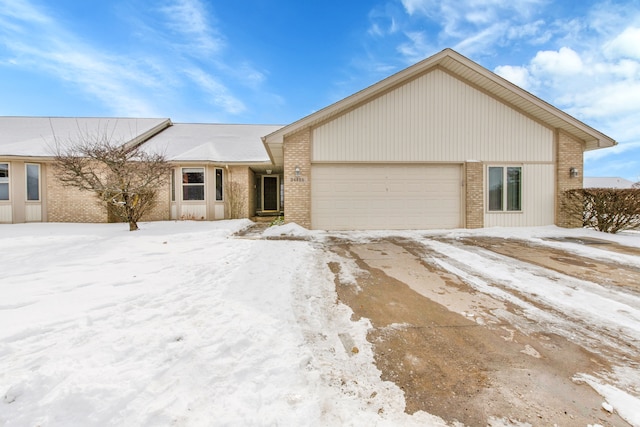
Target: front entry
(270, 193)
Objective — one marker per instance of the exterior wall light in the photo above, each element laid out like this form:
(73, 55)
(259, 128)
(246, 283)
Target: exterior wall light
(297, 170)
(269, 171)
(573, 173)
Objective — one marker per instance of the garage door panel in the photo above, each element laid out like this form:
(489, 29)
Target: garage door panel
(386, 196)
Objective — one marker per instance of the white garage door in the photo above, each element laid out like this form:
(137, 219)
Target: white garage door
(378, 197)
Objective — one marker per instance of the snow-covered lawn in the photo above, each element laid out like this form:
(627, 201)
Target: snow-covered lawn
(179, 324)
(183, 324)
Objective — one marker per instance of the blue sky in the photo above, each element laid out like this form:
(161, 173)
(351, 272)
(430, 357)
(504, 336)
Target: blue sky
(275, 61)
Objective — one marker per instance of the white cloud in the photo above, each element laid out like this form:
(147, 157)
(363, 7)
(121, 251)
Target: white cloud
(39, 43)
(473, 26)
(626, 44)
(189, 18)
(417, 48)
(220, 95)
(481, 40)
(148, 85)
(535, 33)
(382, 23)
(517, 75)
(563, 62)
(419, 6)
(22, 11)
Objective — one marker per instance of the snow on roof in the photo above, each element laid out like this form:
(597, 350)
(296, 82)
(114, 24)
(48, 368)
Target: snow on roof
(36, 136)
(212, 142)
(606, 182)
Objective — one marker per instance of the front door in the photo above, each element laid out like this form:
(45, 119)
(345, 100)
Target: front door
(270, 193)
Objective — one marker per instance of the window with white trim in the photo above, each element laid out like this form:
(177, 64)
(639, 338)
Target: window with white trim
(4, 181)
(173, 185)
(505, 189)
(219, 186)
(192, 183)
(33, 181)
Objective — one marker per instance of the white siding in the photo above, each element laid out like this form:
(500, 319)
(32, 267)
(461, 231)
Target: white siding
(6, 213)
(433, 118)
(362, 197)
(218, 211)
(538, 200)
(33, 212)
(193, 211)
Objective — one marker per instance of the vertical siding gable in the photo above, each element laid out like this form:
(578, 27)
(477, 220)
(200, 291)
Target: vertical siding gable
(435, 117)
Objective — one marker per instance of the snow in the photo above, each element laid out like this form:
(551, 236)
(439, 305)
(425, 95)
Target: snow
(627, 406)
(35, 136)
(212, 142)
(179, 324)
(182, 323)
(291, 230)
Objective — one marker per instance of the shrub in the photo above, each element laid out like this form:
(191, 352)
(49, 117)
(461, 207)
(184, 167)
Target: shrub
(604, 209)
(278, 221)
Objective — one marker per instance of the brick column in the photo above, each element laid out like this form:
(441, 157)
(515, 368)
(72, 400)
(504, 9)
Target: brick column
(297, 188)
(569, 155)
(474, 194)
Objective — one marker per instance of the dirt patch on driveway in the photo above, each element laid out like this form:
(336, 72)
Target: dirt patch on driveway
(436, 338)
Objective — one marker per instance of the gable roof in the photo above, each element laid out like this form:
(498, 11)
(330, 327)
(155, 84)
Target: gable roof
(606, 182)
(36, 136)
(220, 143)
(466, 70)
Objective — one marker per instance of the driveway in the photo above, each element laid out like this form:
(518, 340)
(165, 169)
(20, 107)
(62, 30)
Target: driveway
(493, 331)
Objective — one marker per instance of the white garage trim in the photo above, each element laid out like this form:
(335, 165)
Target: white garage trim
(379, 196)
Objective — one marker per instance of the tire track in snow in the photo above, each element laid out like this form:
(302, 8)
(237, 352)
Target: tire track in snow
(581, 311)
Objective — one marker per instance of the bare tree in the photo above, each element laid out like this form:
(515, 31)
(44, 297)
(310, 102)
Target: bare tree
(124, 178)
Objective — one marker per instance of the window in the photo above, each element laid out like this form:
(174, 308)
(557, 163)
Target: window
(509, 199)
(173, 185)
(33, 182)
(219, 184)
(192, 183)
(4, 181)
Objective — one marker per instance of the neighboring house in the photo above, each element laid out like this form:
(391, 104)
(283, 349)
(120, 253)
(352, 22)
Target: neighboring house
(444, 143)
(221, 171)
(607, 182)
(28, 189)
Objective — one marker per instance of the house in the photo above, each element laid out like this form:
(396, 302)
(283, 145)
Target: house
(29, 192)
(220, 171)
(444, 143)
(607, 182)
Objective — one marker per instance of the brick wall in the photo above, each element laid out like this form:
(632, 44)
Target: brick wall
(162, 209)
(474, 195)
(569, 154)
(67, 204)
(297, 189)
